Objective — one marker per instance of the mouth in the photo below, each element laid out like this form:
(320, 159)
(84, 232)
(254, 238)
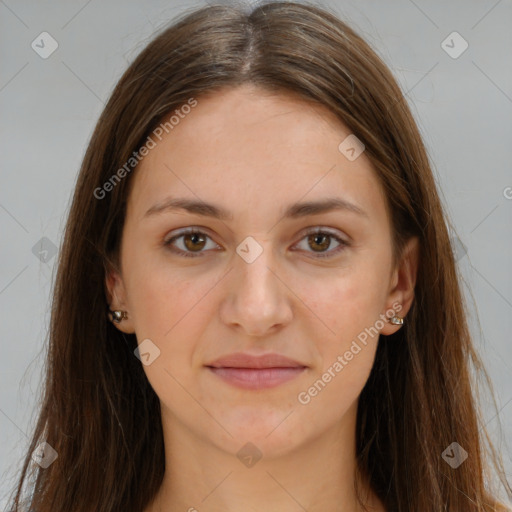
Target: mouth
(256, 372)
(256, 378)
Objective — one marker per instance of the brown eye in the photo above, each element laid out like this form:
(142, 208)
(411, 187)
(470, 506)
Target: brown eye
(194, 241)
(190, 243)
(319, 242)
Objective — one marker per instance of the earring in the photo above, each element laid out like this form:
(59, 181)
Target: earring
(117, 316)
(397, 320)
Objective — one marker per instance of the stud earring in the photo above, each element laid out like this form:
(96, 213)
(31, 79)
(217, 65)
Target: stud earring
(117, 315)
(396, 320)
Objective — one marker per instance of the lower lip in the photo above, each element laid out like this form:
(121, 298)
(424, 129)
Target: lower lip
(257, 378)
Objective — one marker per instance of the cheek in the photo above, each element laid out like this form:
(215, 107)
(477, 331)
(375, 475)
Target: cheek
(173, 310)
(349, 306)
(163, 296)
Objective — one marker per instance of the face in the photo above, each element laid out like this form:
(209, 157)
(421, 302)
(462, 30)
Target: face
(243, 265)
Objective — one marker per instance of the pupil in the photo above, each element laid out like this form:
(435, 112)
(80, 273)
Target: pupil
(194, 238)
(317, 237)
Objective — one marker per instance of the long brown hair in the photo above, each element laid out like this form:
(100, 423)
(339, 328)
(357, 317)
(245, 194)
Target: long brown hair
(98, 410)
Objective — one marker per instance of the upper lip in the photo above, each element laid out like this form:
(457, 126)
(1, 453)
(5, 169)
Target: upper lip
(243, 360)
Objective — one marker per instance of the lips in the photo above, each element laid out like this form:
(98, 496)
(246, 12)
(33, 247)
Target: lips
(256, 372)
(242, 360)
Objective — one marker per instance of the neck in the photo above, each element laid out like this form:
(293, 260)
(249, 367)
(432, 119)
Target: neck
(317, 476)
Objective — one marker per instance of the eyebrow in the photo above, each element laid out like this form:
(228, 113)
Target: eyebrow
(294, 211)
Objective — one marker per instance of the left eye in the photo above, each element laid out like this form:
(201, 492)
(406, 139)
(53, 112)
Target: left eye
(322, 240)
(193, 242)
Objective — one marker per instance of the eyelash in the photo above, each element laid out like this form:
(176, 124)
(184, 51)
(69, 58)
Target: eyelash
(315, 231)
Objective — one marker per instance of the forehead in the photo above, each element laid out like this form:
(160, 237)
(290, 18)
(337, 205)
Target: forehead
(254, 149)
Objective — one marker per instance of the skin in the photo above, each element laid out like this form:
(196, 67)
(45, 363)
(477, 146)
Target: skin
(254, 154)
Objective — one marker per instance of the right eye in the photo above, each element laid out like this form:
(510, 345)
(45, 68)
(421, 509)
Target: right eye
(192, 242)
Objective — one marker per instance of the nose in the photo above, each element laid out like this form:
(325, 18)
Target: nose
(257, 298)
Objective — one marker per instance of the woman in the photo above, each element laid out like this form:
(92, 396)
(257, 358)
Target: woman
(257, 306)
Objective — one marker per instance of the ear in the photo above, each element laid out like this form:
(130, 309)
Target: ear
(403, 281)
(116, 297)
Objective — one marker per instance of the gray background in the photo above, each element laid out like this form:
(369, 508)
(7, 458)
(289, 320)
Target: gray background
(49, 107)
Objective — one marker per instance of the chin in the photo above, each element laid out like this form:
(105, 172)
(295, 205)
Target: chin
(274, 434)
